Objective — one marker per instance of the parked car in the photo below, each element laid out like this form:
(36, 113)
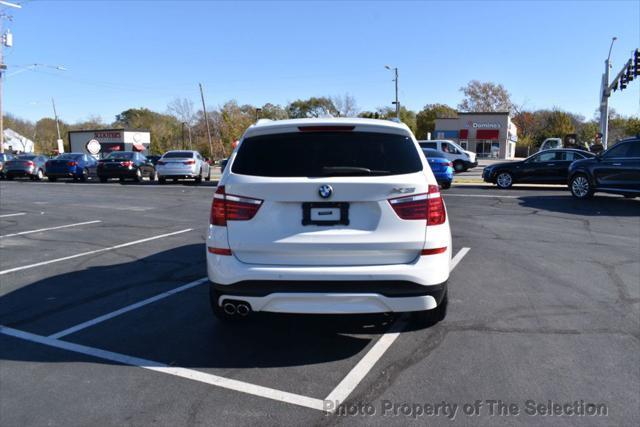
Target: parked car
(441, 167)
(223, 164)
(545, 167)
(126, 165)
(153, 158)
(616, 171)
(30, 165)
(183, 164)
(328, 216)
(4, 157)
(462, 159)
(71, 165)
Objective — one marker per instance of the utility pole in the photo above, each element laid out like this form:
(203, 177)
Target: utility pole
(7, 40)
(182, 146)
(206, 119)
(395, 79)
(190, 143)
(604, 98)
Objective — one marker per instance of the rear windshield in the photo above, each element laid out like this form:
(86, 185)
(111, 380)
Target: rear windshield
(26, 157)
(433, 153)
(70, 156)
(178, 155)
(313, 154)
(123, 155)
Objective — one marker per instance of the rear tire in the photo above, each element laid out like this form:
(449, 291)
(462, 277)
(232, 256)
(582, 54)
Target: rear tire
(103, 179)
(504, 180)
(208, 178)
(85, 175)
(580, 187)
(138, 176)
(199, 177)
(458, 166)
(39, 175)
(428, 318)
(52, 179)
(162, 181)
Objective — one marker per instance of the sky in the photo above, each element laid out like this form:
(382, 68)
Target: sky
(121, 55)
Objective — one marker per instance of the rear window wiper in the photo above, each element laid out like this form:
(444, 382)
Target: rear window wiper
(352, 170)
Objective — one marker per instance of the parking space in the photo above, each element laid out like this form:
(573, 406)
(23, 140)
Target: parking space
(106, 320)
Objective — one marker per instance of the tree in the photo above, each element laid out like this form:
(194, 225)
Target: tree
(312, 107)
(273, 112)
(46, 135)
(426, 118)
(632, 128)
(408, 117)
(182, 109)
(165, 129)
(483, 97)
(346, 105)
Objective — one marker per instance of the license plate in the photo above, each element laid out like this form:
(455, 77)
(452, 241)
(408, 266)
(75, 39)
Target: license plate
(319, 213)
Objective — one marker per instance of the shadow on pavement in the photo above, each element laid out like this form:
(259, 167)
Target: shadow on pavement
(179, 329)
(597, 206)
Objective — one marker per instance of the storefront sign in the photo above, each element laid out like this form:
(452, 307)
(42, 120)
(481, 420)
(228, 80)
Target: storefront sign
(486, 125)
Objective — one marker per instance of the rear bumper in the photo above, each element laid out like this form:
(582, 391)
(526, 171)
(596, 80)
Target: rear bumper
(123, 173)
(177, 175)
(19, 172)
(66, 174)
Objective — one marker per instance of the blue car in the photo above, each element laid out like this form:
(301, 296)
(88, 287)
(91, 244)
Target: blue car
(441, 167)
(71, 165)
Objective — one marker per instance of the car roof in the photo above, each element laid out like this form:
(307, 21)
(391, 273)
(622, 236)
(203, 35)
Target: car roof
(265, 126)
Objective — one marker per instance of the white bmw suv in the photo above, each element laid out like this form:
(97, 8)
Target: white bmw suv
(328, 216)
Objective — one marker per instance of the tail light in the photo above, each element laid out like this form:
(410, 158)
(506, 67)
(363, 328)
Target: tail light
(128, 163)
(161, 163)
(190, 162)
(426, 206)
(71, 163)
(450, 164)
(29, 163)
(229, 207)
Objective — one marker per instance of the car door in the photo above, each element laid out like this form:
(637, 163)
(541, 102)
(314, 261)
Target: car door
(614, 170)
(558, 170)
(536, 168)
(633, 166)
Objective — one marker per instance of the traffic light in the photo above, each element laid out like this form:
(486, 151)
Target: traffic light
(623, 82)
(636, 63)
(629, 74)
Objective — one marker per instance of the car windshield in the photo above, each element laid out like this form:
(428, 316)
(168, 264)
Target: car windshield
(69, 156)
(178, 155)
(314, 154)
(124, 155)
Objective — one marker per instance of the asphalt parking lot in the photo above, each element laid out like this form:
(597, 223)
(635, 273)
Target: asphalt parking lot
(105, 318)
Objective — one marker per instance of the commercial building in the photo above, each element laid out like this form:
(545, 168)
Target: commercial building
(100, 142)
(489, 135)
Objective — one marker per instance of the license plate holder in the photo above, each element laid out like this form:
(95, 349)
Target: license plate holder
(313, 211)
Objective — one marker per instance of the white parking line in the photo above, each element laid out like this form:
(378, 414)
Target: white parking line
(13, 214)
(123, 245)
(362, 368)
(337, 396)
(126, 309)
(191, 374)
(22, 233)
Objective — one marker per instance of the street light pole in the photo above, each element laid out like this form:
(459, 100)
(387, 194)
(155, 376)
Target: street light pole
(604, 99)
(395, 79)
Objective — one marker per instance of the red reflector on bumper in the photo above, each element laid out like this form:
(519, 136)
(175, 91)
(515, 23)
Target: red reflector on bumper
(219, 251)
(433, 251)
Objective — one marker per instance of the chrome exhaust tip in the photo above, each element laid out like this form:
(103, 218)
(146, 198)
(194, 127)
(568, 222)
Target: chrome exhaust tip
(229, 308)
(243, 309)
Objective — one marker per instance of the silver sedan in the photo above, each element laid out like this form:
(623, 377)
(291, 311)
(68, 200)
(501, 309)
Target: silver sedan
(182, 164)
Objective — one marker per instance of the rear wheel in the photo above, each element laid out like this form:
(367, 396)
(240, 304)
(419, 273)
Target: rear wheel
(85, 175)
(458, 166)
(208, 178)
(162, 181)
(39, 175)
(580, 187)
(138, 176)
(121, 180)
(153, 177)
(52, 179)
(428, 318)
(199, 177)
(504, 180)
(103, 179)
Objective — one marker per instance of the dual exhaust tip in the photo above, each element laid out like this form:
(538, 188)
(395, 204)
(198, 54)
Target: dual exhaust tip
(240, 308)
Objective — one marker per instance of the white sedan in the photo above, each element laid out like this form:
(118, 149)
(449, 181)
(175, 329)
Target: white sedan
(182, 164)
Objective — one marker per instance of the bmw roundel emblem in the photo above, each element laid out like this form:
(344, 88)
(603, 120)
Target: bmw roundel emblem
(325, 191)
